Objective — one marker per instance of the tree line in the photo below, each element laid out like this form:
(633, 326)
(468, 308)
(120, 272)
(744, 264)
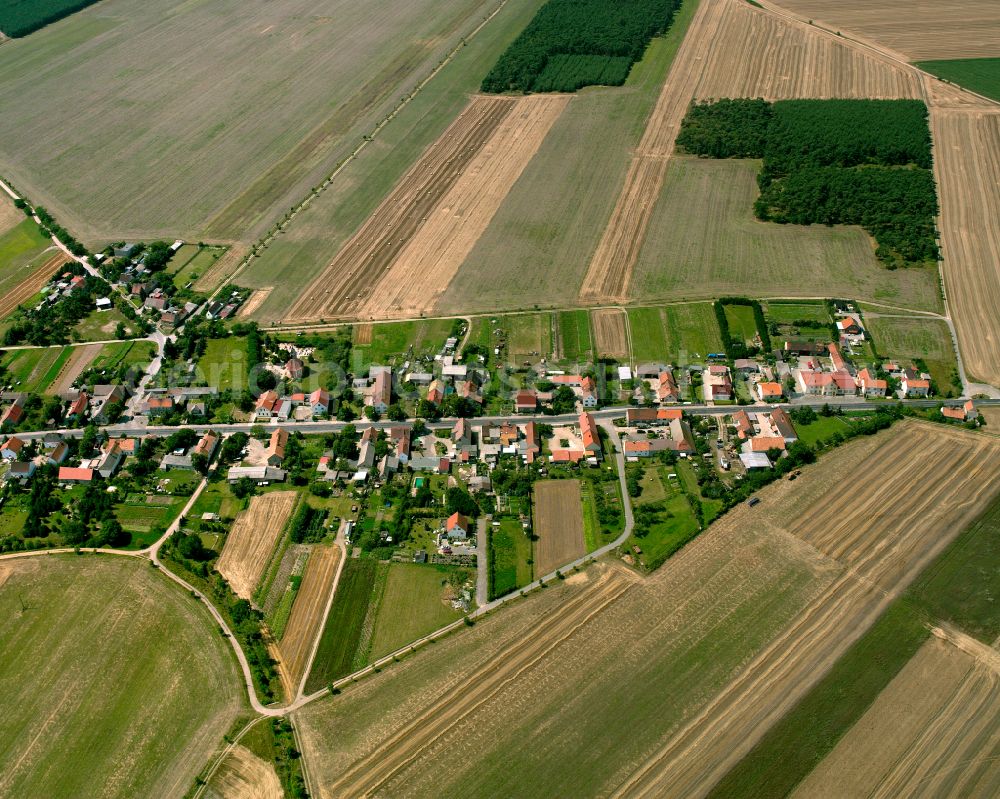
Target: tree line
(852, 162)
(574, 43)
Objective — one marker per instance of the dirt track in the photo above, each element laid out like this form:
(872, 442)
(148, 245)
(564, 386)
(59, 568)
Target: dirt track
(352, 276)
(307, 612)
(31, 285)
(243, 775)
(558, 524)
(919, 30)
(933, 731)
(730, 50)
(609, 333)
(250, 542)
(967, 170)
(426, 265)
(924, 473)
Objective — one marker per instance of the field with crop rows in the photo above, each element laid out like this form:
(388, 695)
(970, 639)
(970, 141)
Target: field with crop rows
(136, 145)
(558, 523)
(121, 684)
(251, 541)
(794, 584)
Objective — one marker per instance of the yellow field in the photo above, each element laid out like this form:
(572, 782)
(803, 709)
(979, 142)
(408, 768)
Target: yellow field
(250, 542)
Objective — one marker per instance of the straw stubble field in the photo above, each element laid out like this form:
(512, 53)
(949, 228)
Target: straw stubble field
(558, 524)
(744, 621)
(250, 543)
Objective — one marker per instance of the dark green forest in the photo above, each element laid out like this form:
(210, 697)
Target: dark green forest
(570, 44)
(21, 17)
(852, 162)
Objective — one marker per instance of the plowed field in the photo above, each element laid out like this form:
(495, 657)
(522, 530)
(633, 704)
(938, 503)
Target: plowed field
(934, 731)
(610, 337)
(558, 524)
(250, 542)
(967, 170)
(351, 277)
(307, 613)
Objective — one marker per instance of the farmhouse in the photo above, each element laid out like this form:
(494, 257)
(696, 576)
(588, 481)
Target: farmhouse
(645, 417)
(319, 402)
(20, 471)
(78, 407)
(11, 448)
(75, 474)
(525, 401)
(275, 452)
(961, 413)
(666, 389)
(783, 426)
(768, 392)
(207, 445)
(14, 414)
(717, 383)
(744, 427)
(58, 454)
(870, 385)
(589, 433)
(435, 393)
(295, 369)
(915, 386)
(379, 396)
(457, 526)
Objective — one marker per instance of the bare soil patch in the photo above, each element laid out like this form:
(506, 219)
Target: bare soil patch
(425, 267)
(81, 358)
(254, 302)
(10, 214)
(920, 31)
(610, 337)
(306, 619)
(933, 731)
(363, 334)
(967, 171)
(558, 521)
(350, 279)
(732, 49)
(250, 542)
(243, 775)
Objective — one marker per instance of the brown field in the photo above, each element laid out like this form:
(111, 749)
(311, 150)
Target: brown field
(362, 334)
(73, 368)
(663, 681)
(306, 618)
(31, 285)
(222, 268)
(610, 338)
(251, 540)
(991, 415)
(558, 524)
(924, 473)
(254, 302)
(933, 731)
(10, 214)
(967, 169)
(425, 267)
(243, 775)
(731, 50)
(918, 30)
(351, 277)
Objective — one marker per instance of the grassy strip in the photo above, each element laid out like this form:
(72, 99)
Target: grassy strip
(274, 565)
(364, 648)
(981, 75)
(957, 586)
(796, 744)
(342, 632)
(961, 586)
(284, 609)
(53, 371)
(274, 742)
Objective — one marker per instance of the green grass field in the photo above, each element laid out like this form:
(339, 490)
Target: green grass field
(124, 354)
(574, 335)
(822, 429)
(181, 258)
(674, 523)
(649, 334)
(674, 334)
(121, 685)
(981, 75)
(909, 339)
(19, 246)
(552, 220)
(225, 171)
(789, 312)
(317, 232)
(393, 340)
(742, 326)
(36, 369)
(101, 326)
(224, 363)
(510, 560)
(703, 241)
(343, 631)
(197, 265)
(412, 606)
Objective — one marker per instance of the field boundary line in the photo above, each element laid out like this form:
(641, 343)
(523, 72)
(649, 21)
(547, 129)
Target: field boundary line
(367, 139)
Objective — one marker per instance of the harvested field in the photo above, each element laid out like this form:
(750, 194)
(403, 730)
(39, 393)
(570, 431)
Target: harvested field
(136, 143)
(933, 731)
(610, 336)
(250, 543)
(732, 50)
(306, 620)
(362, 334)
(424, 268)
(256, 300)
(355, 272)
(967, 171)
(121, 684)
(558, 523)
(74, 367)
(222, 268)
(10, 214)
(243, 775)
(30, 285)
(919, 30)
